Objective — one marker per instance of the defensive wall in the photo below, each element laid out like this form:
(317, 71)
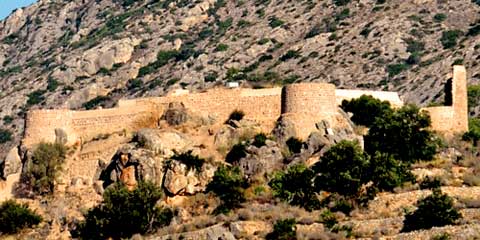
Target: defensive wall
(304, 104)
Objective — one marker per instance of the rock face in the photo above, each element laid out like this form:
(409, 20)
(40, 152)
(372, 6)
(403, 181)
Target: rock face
(163, 142)
(259, 161)
(181, 180)
(232, 133)
(176, 114)
(102, 57)
(11, 165)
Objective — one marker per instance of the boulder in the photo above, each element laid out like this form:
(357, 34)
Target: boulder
(176, 114)
(284, 130)
(163, 142)
(12, 163)
(181, 180)
(259, 161)
(233, 132)
(249, 228)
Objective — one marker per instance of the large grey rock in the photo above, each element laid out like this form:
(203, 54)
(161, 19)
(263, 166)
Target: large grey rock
(259, 161)
(215, 232)
(176, 114)
(284, 130)
(180, 180)
(235, 131)
(12, 163)
(163, 142)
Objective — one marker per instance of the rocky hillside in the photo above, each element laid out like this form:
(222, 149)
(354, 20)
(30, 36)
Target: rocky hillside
(89, 53)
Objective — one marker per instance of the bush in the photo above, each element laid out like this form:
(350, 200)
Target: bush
(294, 145)
(439, 17)
(430, 183)
(388, 173)
(295, 186)
(236, 115)
(395, 69)
(449, 38)
(366, 109)
(6, 120)
(35, 97)
(328, 219)
(14, 217)
(46, 163)
(473, 134)
(283, 230)
(124, 213)
(5, 135)
(237, 152)
(259, 140)
(343, 169)
(403, 134)
(229, 185)
(435, 210)
(341, 2)
(100, 100)
(190, 160)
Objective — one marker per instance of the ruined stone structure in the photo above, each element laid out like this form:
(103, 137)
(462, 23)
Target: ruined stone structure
(304, 104)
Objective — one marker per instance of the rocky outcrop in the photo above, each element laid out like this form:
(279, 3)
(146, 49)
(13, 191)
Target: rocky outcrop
(163, 142)
(176, 114)
(261, 160)
(181, 180)
(232, 133)
(11, 165)
(219, 231)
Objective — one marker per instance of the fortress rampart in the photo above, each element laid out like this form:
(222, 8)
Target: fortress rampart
(304, 104)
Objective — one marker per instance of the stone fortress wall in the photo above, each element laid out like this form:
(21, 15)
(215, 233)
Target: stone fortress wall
(305, 104)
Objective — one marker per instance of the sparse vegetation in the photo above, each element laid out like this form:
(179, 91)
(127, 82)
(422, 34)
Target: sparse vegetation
(124, 213)
(15, 217)
(46, 163)
(5, 136)
(449, 38)
(190, 160)
(435, 210)
(259, 140)
(98, 101)
(229, 185)
(284, 230)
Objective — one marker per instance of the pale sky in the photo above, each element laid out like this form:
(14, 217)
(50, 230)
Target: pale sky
(7, 6)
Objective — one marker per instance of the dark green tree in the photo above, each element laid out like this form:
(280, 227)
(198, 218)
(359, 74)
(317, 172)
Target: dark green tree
(237, 152)
(294, 145)
(388, 173)
(124, 213)
(5, 135)
(229, 185)
(15, 217)
(344, 169)
(283, 230)
(295, 186)
(403, 134)
(366, 109)
(46, 163)
(435, 210)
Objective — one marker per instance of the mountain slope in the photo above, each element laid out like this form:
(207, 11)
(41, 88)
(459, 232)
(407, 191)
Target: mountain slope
(82, 54)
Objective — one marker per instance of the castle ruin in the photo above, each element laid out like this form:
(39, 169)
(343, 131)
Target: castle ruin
(304, 104)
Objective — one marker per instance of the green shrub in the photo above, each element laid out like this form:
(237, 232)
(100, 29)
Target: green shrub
(236, 115)
(449, 38)
(439, 17)
(5, 136)
(259, 140)
(163, 57)
(221, 47)
(289, 55)
(328, 219)
(14, 217)
(275, 22)
(403, 134)
(295, 186)
(435, 210)
(473, 93)
(341, 2)
(388, 173)
(211, 77)
(6, 120)
(46, 163)
(229, 185)
(284, 230)
(237, 152)
(343, 169)
(190, 160)
(124, 213)
(473, 134)
(430, 183)
(52, 84)
(294, 145)
(36, 97)
(395, 69)
(100, 100)
(366, 109)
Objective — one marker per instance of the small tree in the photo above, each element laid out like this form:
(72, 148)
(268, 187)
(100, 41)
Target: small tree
(435, 210)
(237, 152)
(15, 217)
(294, 145)
(236, 115)
(388, 173)
(295, 186)
(403, 134)
(190, 160)
(124, 213)
(46, 163)
(229, 185)
(283, 230)
(259, 140)
(343, 169)
(366, 109)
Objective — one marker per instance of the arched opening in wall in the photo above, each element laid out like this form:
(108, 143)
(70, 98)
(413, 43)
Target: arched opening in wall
(448, 93)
